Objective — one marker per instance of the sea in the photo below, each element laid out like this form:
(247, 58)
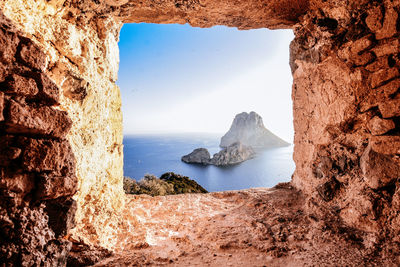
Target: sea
(157, 154)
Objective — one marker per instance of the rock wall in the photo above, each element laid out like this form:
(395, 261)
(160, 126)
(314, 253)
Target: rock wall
(67, 106)
(61, 123)
(345, 63)
(37, 165)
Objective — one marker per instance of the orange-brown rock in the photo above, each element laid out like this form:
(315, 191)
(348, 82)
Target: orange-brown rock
(1, 106)
(49, 91)
(17, 84)
(254, 227)
(389, 145)
(379, 126)
(30, 223)
(379, 170)
(390, 108)
(20, 183)
(42, 120)
(8, 150)
(51, 187)
(47, 156)
(8, 42)
(31, 55)
(242, 14)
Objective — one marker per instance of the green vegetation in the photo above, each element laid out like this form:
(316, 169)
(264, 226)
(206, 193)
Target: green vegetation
(168, 184)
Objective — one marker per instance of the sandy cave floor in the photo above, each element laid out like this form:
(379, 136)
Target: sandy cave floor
(254, 227)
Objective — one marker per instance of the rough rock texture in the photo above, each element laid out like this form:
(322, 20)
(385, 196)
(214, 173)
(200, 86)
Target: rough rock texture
(345, 65)
(346, 104)
(233, 154)
(248, 128)
(37, 165)
(81, 59)
(198, 156)
(60, 131)
(255, 227)
(243, 14)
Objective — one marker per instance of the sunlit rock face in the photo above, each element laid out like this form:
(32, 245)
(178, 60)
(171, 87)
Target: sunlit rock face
(71, 99)
(59, 63)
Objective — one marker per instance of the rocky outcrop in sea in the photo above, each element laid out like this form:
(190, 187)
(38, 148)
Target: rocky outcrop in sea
(247, 133)
(233, 154)
(199, 156)
(249, 129)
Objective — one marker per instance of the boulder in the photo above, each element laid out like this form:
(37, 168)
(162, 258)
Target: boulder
(199, 156)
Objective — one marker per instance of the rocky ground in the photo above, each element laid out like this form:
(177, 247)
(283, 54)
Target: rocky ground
(254, 227)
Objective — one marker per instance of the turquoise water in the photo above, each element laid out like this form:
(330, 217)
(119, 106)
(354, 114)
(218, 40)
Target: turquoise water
(157, 154)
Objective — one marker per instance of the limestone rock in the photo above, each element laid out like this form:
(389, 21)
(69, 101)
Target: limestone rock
(248, 128)
(233, 154)
(199, 156)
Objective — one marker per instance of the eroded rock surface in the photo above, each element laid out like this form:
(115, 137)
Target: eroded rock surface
(71, 52)
(345, 66)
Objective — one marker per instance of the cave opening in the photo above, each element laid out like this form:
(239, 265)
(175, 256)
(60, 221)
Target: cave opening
(62, 139)
(181, 88)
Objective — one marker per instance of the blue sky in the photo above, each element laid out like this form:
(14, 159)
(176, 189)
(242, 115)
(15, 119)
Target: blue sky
(176, 78)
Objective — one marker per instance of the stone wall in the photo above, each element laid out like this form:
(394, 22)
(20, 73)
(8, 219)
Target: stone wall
(37, 165)
(345, 63)
(80, 59)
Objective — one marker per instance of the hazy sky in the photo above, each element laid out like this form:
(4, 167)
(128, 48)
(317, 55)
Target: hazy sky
(175, 78)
